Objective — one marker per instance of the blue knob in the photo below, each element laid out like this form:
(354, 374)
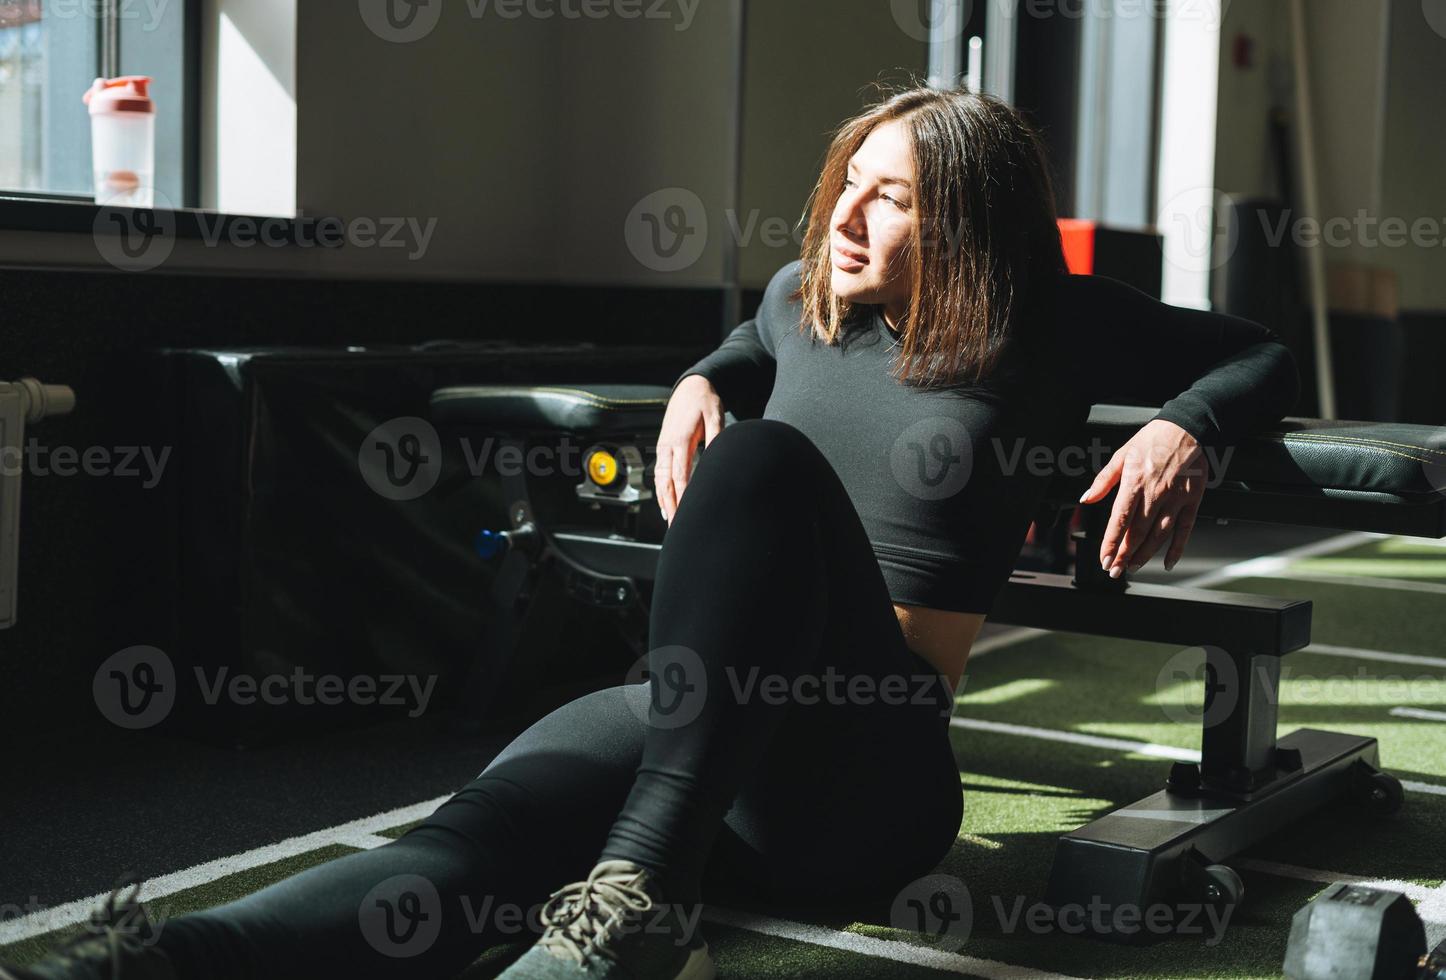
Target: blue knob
(490, 544)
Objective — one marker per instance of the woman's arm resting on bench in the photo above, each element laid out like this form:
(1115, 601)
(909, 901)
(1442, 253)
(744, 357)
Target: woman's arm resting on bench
(741, 371)
(743, 368)
(1217, 376)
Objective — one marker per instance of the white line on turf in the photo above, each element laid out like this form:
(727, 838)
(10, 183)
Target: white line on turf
(1414, 892)
(889, 949)
(1420, 713)
(1365, 582)
(71, 913)
(1424, 542)
(1076, 738)
(1125, 745)
(1429, 788)
(1385, 656)
(1267, 565)
(1430, 902)
(1004, 638)
(364, 841)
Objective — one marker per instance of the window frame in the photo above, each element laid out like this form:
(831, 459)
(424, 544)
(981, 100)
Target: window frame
(178, 139)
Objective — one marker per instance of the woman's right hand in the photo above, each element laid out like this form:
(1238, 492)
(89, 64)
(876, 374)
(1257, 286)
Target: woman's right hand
(695, 411)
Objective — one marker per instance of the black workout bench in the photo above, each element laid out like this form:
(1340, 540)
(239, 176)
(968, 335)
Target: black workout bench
(1167, 849)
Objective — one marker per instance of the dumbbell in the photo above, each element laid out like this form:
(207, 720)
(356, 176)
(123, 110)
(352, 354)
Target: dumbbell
(1349, 932)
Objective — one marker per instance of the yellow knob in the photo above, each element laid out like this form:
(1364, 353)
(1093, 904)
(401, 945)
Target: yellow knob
(602, 467)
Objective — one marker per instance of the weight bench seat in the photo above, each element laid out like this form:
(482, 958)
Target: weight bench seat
(576, 410)
(1379, 476)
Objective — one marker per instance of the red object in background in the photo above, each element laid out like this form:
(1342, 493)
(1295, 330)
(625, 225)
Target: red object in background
(1078, 238)
(128, 93)
(1131, 255)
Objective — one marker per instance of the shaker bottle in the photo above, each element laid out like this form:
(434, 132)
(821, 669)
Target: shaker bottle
(123, 141)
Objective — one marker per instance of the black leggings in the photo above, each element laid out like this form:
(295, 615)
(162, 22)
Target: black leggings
(789, 745)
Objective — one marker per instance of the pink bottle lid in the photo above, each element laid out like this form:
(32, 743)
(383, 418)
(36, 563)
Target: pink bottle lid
(129, 93)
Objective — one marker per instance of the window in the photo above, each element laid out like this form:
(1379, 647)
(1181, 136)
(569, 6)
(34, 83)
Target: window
(51, 51)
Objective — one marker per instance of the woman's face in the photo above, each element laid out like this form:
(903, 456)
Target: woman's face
(873, 222)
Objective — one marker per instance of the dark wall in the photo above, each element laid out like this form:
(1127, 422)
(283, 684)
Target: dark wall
(81, 576)
(1422, 399)
(1046, 90)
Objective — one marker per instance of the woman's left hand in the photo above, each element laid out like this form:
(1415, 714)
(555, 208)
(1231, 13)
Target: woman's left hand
(1161, 472)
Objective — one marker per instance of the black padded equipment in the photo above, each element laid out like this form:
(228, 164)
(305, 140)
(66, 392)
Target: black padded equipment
(592, 410)
(1341, 461)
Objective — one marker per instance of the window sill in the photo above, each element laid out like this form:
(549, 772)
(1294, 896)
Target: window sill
(79, 215)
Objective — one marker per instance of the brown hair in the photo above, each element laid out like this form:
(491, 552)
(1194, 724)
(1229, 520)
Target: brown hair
(985, 243)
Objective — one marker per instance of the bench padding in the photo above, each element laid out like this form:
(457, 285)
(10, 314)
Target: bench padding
(1314, 455)
(1372, 457)
(581, 410)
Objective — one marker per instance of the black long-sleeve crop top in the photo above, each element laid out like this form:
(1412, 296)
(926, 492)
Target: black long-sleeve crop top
(947, 481)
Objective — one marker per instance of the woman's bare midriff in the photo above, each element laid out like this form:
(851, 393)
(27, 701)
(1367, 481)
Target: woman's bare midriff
(940, 636)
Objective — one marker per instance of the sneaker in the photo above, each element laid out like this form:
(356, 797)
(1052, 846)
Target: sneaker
(117, 943)
(613, 926)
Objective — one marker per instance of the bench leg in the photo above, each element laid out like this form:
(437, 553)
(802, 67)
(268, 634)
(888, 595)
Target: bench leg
(1153, 861)
(1159, 860)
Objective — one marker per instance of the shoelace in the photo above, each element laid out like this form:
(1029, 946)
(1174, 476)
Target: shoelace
(113, 939)
(116, 921)
(120, 914)
(579, 917)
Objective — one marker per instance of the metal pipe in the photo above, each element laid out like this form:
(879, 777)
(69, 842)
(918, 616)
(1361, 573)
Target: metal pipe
(1315, 258)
